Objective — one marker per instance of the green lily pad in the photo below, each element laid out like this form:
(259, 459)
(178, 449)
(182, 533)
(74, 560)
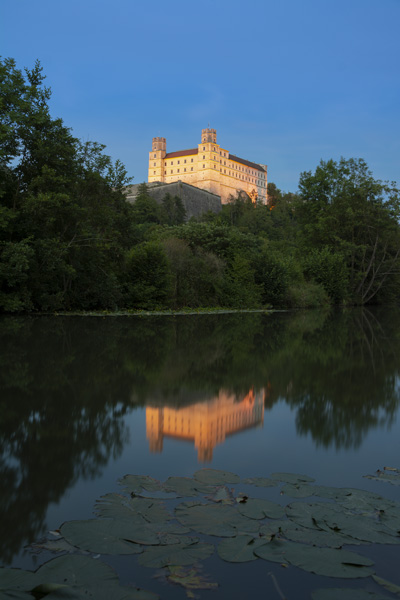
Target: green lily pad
(331, 517)
(240, 548)
(214, 519)
(134, 484)
(16, 583)
(321, 561)
(135, 510)
(87, 577)
(103, 536)
(346, 594)
(261, 481)
(292, 478)
(258, 508)
(215, 477)
(298, 490)
(184, 486)
(178, 554)
(394, 479)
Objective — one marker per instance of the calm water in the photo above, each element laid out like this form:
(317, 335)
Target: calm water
(85, 400)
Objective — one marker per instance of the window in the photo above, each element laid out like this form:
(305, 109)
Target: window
(184, 170)
(155, 156)
(165, 164)
(154, 172)
(203, 157)
(191, 160)
(165, 172)
(172, 171)
(172, 162)
(204, 148)
(154, 164)
(179, 162)
(185, 161)
(191, 168)
(178, 169)
(204, 166)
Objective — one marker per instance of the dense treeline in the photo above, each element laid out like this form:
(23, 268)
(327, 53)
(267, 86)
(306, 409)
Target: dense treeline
(70, 241)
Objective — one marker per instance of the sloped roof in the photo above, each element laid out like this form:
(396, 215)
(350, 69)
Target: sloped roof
(248, 163)
(182, 153)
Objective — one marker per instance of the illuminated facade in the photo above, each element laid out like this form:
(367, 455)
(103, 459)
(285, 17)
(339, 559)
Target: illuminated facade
(207, 424)
(209, 167)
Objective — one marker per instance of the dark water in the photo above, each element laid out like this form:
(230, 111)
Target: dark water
(85, 400)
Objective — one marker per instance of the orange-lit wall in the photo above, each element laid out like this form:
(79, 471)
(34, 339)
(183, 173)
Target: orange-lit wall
(206, 423)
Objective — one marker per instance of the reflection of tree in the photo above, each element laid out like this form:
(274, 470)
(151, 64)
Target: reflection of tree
(67, 383)
(341, 379)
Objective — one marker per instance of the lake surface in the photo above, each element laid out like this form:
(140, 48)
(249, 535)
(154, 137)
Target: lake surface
(87, 400)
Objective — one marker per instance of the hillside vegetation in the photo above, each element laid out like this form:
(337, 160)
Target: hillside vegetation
(69, 240)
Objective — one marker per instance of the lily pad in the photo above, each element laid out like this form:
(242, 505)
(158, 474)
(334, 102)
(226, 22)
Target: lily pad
(215, 477)
(86, 577)
(258, 508)
(292, 478)
(298, 490)
(240, 548)
(103, 536)
(214, 519)
(134, 484)
(16, 580)
(261, 481)
(184, 486)
(178, 554)
(135, 510)
(321, 561)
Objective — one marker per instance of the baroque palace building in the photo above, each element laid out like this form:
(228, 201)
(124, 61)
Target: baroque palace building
(209, 167)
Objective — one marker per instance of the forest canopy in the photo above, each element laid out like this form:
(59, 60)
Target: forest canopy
(69, 239)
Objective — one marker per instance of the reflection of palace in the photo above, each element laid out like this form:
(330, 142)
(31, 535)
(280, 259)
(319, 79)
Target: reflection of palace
(207, 423)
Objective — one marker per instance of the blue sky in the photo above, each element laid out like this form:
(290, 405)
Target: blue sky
(285, 82)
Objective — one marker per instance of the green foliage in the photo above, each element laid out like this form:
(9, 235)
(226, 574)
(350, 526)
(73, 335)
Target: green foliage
(345, 209)
(147, 277)
(330, 270)
(307, 295)
(70, 240)
(172, 211)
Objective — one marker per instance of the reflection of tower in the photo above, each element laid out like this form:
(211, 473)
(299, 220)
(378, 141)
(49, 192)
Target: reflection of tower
(207, 423)
(154, 429)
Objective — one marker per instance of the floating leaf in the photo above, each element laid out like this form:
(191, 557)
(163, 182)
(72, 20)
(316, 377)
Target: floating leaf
(298, 490)
(103, 536)
(261, 481)
(214, 519)
(215, 477)
(134, 484)
(258, 508)
(292, 478)
(184, 486)
(178, 554)
(394, 479)
(56, 546)
(190, 579)
(240, 548)
(16, 580)
(322, 561)
(135, 510)
(346, 594)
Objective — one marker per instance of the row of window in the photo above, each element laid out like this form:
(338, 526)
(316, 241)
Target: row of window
(232, 166)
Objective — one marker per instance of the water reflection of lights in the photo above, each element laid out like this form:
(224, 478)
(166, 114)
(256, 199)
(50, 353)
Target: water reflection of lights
(207, 423)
